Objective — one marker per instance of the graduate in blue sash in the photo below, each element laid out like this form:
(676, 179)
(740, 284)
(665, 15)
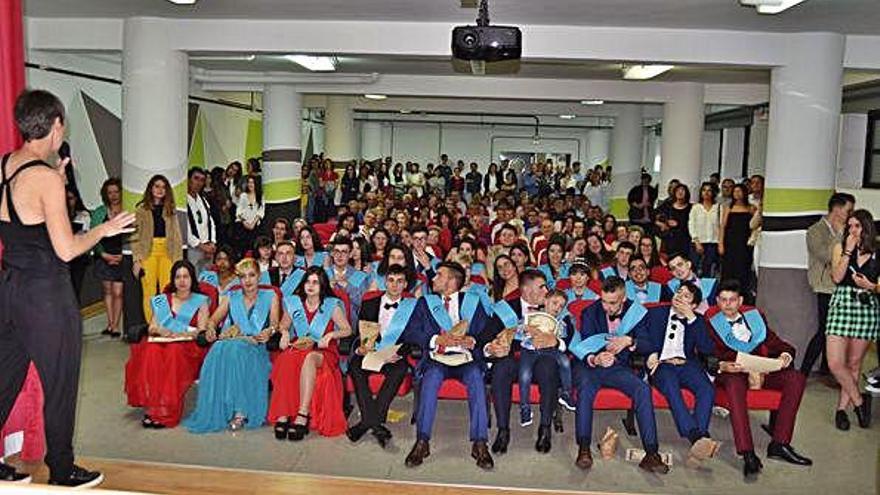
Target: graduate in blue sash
(233, 384)
(395, 254)
(580, 275)
(556, 268)
(157, 375)
(620, 267)
(675, 341)
(309, 251)
(638, 288)
(505, 279)
(430, 328)
(391, 312)
(222, 275)
(602, 351)
(424, 262)
(265, 252)
(306, 381)
(682, 271)
(285, 276)
(343, 277)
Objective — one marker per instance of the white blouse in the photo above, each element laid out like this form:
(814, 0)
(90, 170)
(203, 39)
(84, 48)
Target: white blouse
(704, 225)
(249, 212)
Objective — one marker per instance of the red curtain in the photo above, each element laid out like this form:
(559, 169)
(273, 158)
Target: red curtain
(11, 70)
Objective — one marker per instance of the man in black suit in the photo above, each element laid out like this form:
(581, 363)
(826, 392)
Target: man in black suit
(391, 311)
(285, 276)
(641, 201)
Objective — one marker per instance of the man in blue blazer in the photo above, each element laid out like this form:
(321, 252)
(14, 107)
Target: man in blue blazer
(674, 340)
(602, 348)
(429, 328)
(682, 269)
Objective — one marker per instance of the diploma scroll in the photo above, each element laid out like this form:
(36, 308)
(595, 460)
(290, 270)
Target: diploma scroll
(373, 361)
(369, 333)
(757, 364)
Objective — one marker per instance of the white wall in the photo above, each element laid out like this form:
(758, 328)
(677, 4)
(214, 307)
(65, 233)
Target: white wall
(710, 152)
(732, 152)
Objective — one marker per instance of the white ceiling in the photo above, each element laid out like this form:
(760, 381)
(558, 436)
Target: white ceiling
(844, 16)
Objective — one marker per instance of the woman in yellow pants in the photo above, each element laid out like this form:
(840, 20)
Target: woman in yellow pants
(158, 242)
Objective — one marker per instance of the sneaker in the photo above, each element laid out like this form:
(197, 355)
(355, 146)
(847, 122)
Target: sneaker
(873, 389)
(10, 475)
(80, 478)
(873, 377)
(566, 402)
(525, 416)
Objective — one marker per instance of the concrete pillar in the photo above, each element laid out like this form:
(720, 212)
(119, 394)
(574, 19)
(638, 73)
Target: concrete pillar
(682, 137)
(340, 139)
(282, 152)
(371, 140)
(626, 157)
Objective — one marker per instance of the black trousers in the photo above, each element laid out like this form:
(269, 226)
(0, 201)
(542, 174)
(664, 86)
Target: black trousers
(506, 371)
(816, 347)
(374, 409)
(40, 322)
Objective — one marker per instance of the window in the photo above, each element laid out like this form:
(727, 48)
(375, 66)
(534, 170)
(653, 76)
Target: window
(872, 151)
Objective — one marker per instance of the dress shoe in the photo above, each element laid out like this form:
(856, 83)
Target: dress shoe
(653, 463)
(382, 434)
(863, 412)
(480, 453)
(502, 439)
(356, 432)
(585, 457)
(841, 420)
(417, 455)
(784, 452)
(751, 465)
(79, 478)
(9, 474)
(543, 443)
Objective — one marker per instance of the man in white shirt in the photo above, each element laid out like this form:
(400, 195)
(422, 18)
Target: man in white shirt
(202, 233)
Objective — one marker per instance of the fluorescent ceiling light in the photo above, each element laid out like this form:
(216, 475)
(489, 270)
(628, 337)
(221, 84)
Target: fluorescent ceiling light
(246, 58)
(642, 72)
(405, 110)
(771, 6)
(182, 2)
(314, 63)
(375, 97)
(567, 116)
(592, 102)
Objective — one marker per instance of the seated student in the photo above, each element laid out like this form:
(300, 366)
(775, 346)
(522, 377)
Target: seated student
(674, 340)
(620, 267)
(284, 275)
(157, 375)
(580, 275)
(429, 328)
(343, 277)
(738, 328)
(682, 271)
(656, 264)
(638, 287)
(223, 276)
(602, 351)
(541, 361)
(556, 268)
(469, 246)
(309, 250)
(264, 253)
(556, 305)
(233, 389)
(306, 381)
(424, 261)
(505, 283)
(396, 254)
(391, 310)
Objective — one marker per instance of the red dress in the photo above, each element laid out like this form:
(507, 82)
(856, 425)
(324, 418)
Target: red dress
(326, 413)
(27, 417)
(157, 376)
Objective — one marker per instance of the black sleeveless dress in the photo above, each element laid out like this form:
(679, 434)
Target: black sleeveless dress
(738, 255)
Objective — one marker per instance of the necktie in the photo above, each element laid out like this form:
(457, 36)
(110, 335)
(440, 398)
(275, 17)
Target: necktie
(446, 300)
(392, 305)
(283, 278)
(539, 307)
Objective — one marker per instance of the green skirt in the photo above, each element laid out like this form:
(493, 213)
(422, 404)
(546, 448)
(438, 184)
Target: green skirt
(849, 317)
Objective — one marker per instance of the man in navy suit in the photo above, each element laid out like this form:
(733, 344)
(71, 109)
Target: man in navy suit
(428, 328)
(682, 269)
(674, 340)
(602, 347)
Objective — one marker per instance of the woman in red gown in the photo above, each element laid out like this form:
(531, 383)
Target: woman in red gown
(158, 375)
(306, 381)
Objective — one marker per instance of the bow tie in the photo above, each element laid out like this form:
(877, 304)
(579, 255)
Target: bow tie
(679, 318)
(539, 307)
(738, 321)
(614, 317)
(392, 305)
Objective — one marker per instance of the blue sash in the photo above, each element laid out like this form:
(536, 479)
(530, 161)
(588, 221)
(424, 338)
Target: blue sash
(482, 293)
(631, 318)
(506, 314)
(588, 295)
(755, 323)
(299, 322)
(398, 323)
(210, 277)
(354, 277)
(254, 323)
(706, 286)
(380, 281)
(292, 281)
(178, 323)
(317, 260)
(548, 272)
(609, 271)
(595, 343)
(653, 292)
(478, 269)
(438, 311)
(264, 278)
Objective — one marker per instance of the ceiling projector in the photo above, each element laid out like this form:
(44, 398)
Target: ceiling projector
(484, 42)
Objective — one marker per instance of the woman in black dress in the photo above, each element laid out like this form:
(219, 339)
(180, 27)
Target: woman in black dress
(673, 223)
(733, 246)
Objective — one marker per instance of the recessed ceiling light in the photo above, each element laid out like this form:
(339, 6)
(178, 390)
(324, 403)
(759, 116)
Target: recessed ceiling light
(592, 102)
(642, 72)
(405, 110)
(375, 97)
(246, 58)
(567, 116)
(771, 6)
(182, 2)
(314, 63)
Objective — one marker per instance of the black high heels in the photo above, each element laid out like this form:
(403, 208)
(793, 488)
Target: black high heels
(281, 429)
(298, 432)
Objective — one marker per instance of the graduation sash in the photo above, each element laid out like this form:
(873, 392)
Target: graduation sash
(250, 323)
(178, 323)
(380, 281)
(300, 323)
(264, 278)
(548, 272)
(653, 292)
(608, 271)
(588, 295)
(478, 269)
(593, 344)
(725, 330)
(354, 277)
(706, 286)
(292, 281)
(210, 277)
(317, 260)
(467, 309)
(506, 314)
(482, 292)
(398, 323)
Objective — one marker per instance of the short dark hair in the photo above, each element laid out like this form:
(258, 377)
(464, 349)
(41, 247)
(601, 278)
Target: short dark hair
(731, 285)
(634, 259)
(35, 113)
(840, 199)
(679, 254)
(530, 274)
(626, 245)
(613, 284)
(262, 241)
(194, 171)
(694, 290)
(456, 269)
(341, 240)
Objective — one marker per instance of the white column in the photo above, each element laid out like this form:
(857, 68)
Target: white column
(371, 140)
(682, 136)
(626, 157)
(155, 85)
(598, 144)
(282, 153)
(340, 139)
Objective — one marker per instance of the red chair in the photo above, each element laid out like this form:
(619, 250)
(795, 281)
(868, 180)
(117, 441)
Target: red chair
(325, 231)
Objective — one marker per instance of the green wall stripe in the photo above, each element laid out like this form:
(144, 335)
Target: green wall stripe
(253, 146)
(619, 208)
(131, 198)
(282, 190)
(197, 147)
(780, 200)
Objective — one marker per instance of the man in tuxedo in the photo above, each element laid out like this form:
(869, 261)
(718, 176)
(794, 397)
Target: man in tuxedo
(285, 276)
(674, 340)
(638, 288)
(344, 277)
(740, 329)
(506, 369)
(683, 271)
(602, 348)
(429, 328)
(382, 309)
(620, 268)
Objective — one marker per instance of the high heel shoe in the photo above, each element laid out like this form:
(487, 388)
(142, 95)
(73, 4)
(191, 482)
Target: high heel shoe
(281, 429)
(863, 412)
(298, 432)
(841, 420)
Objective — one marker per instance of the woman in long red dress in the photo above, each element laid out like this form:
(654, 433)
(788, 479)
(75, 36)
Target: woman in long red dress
(158, 375)
(306, 381)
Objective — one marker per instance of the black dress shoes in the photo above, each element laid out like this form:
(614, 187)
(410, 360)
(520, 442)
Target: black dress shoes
(9, 474)
(502, 439)
(863, 412)
(382, 434)
(356, 432)
(784, 452)
(585, 457)
(543, 444)
(417, 455)
(751, 465)
(841, 420)
(653, 463)
(480, 453)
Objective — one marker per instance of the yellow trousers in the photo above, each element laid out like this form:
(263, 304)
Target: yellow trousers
(157, 274)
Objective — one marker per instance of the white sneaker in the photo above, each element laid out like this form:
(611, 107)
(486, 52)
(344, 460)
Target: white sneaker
(873, 389)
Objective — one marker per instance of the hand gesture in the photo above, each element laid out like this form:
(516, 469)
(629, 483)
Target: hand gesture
(682, 308)
(652, 363)
(730, 367)
(786, 359)
(211, 335)
(617, 344)
(445, 339)
(604, 359)
(120, 224)
(325, 341)
(284, 342)
(851, 242)
(863, 282)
